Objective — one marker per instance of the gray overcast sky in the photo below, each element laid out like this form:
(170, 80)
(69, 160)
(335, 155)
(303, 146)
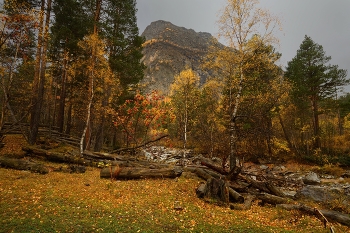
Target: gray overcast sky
(327, 22)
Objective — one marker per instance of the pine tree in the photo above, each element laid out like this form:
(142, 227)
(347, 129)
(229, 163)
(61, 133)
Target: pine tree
(123, 41)
(314, 80)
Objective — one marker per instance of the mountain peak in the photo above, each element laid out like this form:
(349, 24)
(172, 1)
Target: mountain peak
(166, 31)
(168, 50)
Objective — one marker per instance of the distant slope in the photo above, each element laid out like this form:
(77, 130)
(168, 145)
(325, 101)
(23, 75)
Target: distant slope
(168, 50)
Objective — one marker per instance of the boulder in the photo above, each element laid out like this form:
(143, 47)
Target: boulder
(315, 193)
(312, 179)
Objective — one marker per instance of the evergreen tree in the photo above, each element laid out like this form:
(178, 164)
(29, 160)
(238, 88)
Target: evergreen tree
(71, 24)
(123, 41)
(313, 80)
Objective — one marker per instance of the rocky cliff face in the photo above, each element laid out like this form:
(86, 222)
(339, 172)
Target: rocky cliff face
(168, 50)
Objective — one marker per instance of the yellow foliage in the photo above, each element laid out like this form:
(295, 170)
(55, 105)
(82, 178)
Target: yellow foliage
(184, 82)
(347, 122)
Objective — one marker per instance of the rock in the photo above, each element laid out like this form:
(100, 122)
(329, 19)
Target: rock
(166, 155)
(278, 168)
(289, 193)
(264, 167)
(316, 193)
(311, 179)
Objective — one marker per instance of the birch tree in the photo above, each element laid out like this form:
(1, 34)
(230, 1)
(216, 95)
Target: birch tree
(239, 22)
(184, 100)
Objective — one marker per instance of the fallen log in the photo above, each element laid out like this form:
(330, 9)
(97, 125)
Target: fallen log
(59, 157)
(324, 215)
(206, 162)
(128, 173)
(23, 164)
(274, 190)
(235, 196)
(272, 199)
(239, 186)
(202, 174)
(248, 200)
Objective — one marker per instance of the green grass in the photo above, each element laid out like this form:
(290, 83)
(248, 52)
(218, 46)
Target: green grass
(59, 202)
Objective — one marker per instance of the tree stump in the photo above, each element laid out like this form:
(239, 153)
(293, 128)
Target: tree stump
(214, 189)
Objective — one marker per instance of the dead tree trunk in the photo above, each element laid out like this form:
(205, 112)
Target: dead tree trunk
(60, 157)
(23, 164)
(272, 199)
(128, 173)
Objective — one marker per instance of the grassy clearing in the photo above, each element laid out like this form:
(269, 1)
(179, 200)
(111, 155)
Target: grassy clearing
(60, 202)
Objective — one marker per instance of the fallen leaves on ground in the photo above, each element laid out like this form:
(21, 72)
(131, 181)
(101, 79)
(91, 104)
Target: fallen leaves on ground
(63, 202)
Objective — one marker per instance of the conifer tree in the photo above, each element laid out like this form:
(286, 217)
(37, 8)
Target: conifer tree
(314, 80)
(123, 41)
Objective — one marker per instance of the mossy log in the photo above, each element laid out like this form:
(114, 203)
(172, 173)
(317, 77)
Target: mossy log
(23, 164)
(128, 173)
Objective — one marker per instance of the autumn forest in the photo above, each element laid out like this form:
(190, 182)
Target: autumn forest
(74, 67)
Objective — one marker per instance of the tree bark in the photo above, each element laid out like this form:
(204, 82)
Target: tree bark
(234, 160)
